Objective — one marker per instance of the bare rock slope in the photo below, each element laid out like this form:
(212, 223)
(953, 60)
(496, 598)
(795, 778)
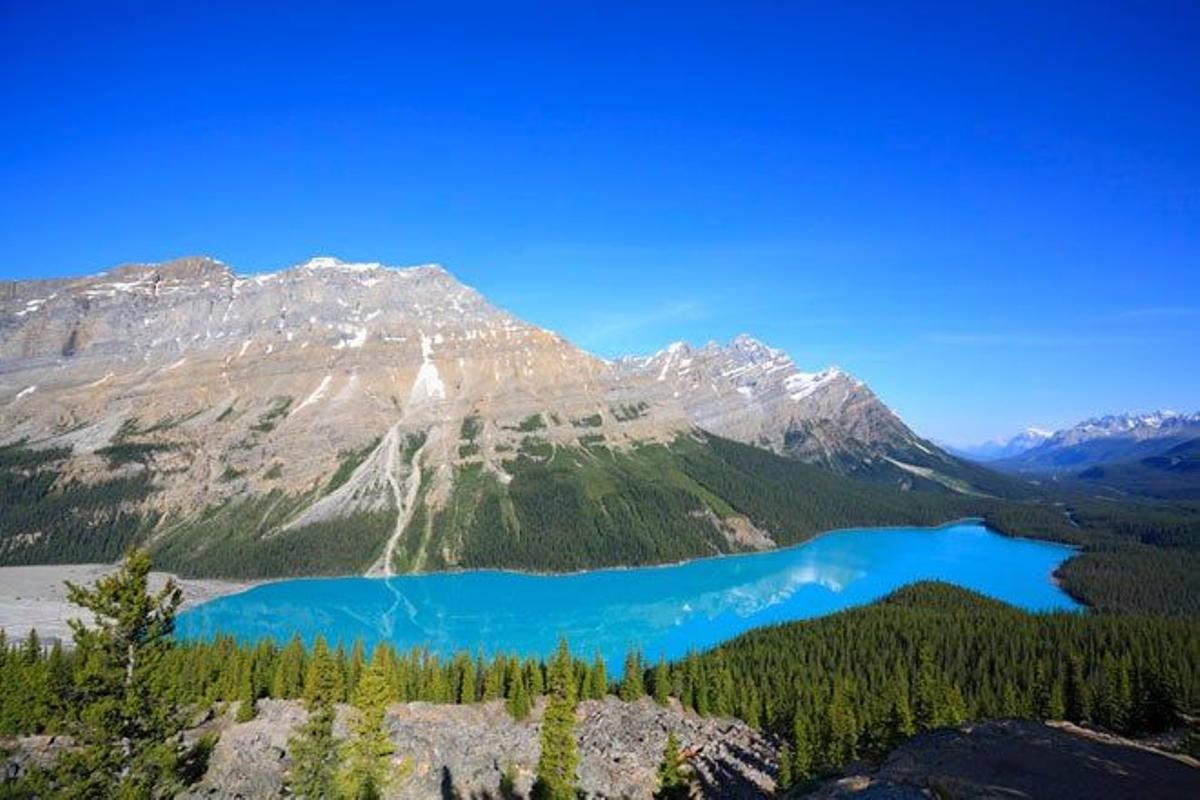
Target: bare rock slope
(464, 751)
(1017, 758)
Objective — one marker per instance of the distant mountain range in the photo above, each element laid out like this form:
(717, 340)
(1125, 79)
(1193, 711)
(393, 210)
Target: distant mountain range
(339, 417)
(1100, 440)
(996, 449)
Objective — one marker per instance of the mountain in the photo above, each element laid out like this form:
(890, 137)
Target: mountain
(996, 449)
(755, 394)
(337, 417)
(1173, 475)
(1104, 440)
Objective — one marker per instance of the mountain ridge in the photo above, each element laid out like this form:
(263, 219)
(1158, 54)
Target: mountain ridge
(1105, 439)
(393, 407)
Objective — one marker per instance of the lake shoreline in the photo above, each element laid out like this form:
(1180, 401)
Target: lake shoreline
(665, 608)
(35, 597)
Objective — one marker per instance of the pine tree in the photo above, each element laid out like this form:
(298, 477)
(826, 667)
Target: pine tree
(323, 678)
(465, 690)
(784, 778)
(673, 782)
(518, 701)
(662, 682)
(954, 707)
(559, 758)
(366, 760)
(598, 684)
(354, 670)
(493, 679)
(314, 755)
(246, 696)
(926, 694)
(632, 684)
(537, 678)
(1076, 696)
(900, 722)
(804, 751)
(288, 681)
(841, 735)
(314, 752)
(127, 738)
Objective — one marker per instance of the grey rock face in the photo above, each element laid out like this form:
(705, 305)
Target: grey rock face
(756, 394)
(464, 751)
(1019, 758)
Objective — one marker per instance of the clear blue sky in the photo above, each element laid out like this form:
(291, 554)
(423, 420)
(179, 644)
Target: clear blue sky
(991, 213)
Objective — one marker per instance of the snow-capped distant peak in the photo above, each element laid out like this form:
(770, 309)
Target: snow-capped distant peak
(329, 262)
(333, 263)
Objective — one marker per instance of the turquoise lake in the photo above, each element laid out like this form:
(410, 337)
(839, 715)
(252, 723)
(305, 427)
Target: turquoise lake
(664, 610)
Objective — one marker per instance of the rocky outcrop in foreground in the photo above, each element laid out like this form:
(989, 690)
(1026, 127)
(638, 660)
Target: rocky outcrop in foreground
(1007, 759)
(464, 751)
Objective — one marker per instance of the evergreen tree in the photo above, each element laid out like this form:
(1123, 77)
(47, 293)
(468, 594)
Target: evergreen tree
(314, 752)
(784, 779)
(559, 758)
(127, 738)
(314, 755)
(288, 681)
(954, 707)
(354, 670)
(841, 735)
(804, 749)
(367, 755)
(632, 684)
(537, 678)
(1055, 706)
(1077, 699)
(900, 722)
(673, 783)
(246, 696)
(662, 682)
(323, 682)
(518, 701)
(493, 679)
(598, 683)
(465, 689)
(926, 691)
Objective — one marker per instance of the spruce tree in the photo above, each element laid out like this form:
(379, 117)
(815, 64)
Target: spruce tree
(465, 689)
(493, 679)
(288, 681)
(1077, 697)
(367, 756)
(559, 758)
(314, 752)
(598, 685)
(673, 781)
(900, 722)
(841, 734)
(662, 682)
(784, 779)
(926, 691)
(314, 756)
(517, 700)
(632, 684)
(127, 738)
(246, 696)
(804, 749)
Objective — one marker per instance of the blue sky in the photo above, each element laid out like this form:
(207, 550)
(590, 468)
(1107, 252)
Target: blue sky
(989, 212)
